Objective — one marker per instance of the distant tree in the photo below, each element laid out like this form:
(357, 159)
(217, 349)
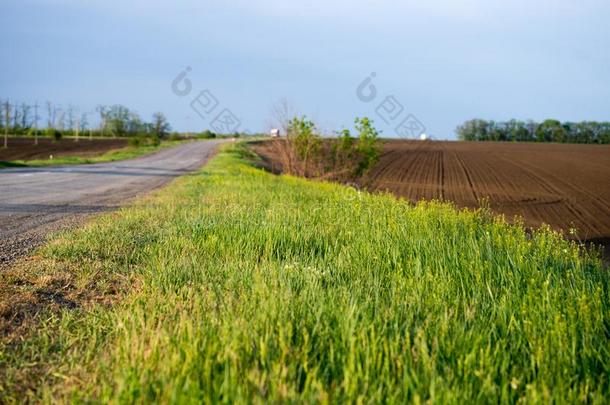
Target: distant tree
(282, 113)
(465, 131)
(115, 119)
(113, 122)
(51, 115)
(549, 130)
(7, 120)
(473, 130)
(147, 128)
(496, 131)
(559, 134)
(160, 125)
(61, 120)
(206, 134)
(102, 111)
(83, 122)
(521, 134)
(16, 117)
(70, 118)
(604, 134)
(118, 120)
(25, 117)
(77, 129)
(35, 123)
(584, 133)
(134, 124)
(2, 115)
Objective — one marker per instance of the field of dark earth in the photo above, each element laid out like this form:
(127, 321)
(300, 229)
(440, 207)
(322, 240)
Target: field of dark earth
(23, 148)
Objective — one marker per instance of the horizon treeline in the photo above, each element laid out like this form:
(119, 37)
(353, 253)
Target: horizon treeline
(588, 132)
(111, 121)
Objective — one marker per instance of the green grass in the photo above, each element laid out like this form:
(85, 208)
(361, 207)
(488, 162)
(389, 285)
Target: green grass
(237, 285)
(127, 152)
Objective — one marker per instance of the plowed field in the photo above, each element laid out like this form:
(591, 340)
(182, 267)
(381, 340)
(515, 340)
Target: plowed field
(24, 149)
(565, 186)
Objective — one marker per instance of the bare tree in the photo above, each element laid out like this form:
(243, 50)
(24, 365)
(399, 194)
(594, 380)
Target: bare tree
(7, 120)
(103, 112)
(51, 115)
(282, 111)
(103, 121)
(86, 124)
(83, 124)
(36, 118)
(70, 118)
(16, 118)
(77, 129)
(160, 125)
(61, 119)
(26, 121)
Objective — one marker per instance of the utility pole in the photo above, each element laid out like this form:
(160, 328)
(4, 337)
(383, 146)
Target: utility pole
(77, 129)
(7, 120)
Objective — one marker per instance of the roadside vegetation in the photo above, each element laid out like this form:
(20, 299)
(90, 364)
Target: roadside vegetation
(114, 121)
(305, 152)
(530, 131)
(237, 285)
(107, 121)
(40, 123)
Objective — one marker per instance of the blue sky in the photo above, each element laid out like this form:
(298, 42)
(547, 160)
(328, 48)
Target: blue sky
(443, 61)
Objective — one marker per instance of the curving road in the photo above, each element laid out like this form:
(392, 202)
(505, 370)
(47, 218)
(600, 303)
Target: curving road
(35, 201)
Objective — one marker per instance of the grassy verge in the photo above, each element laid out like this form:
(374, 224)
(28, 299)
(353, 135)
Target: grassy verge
(128, 152)
(234, 284)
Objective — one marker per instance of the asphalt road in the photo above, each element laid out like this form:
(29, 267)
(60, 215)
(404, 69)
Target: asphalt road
(36, 201)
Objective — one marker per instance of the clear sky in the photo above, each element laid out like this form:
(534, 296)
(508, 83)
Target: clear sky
(443, 61)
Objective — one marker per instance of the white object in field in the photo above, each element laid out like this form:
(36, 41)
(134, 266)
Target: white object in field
(275, 132)
(423, 137)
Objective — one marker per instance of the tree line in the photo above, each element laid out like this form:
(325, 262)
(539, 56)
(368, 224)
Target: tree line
(529, 131)
(111, 121)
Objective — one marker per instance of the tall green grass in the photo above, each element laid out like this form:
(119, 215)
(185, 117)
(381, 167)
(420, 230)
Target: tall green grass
(251, 287)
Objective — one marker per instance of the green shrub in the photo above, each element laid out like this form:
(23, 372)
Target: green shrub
(53, 133)
(135, 141)
(144, 140)
(368, 145)
(154, 140)
(306, 141)
(343, 149)
(207, 134)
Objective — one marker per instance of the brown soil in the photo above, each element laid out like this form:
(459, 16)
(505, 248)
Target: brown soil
(564, 186)
(24, 149)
